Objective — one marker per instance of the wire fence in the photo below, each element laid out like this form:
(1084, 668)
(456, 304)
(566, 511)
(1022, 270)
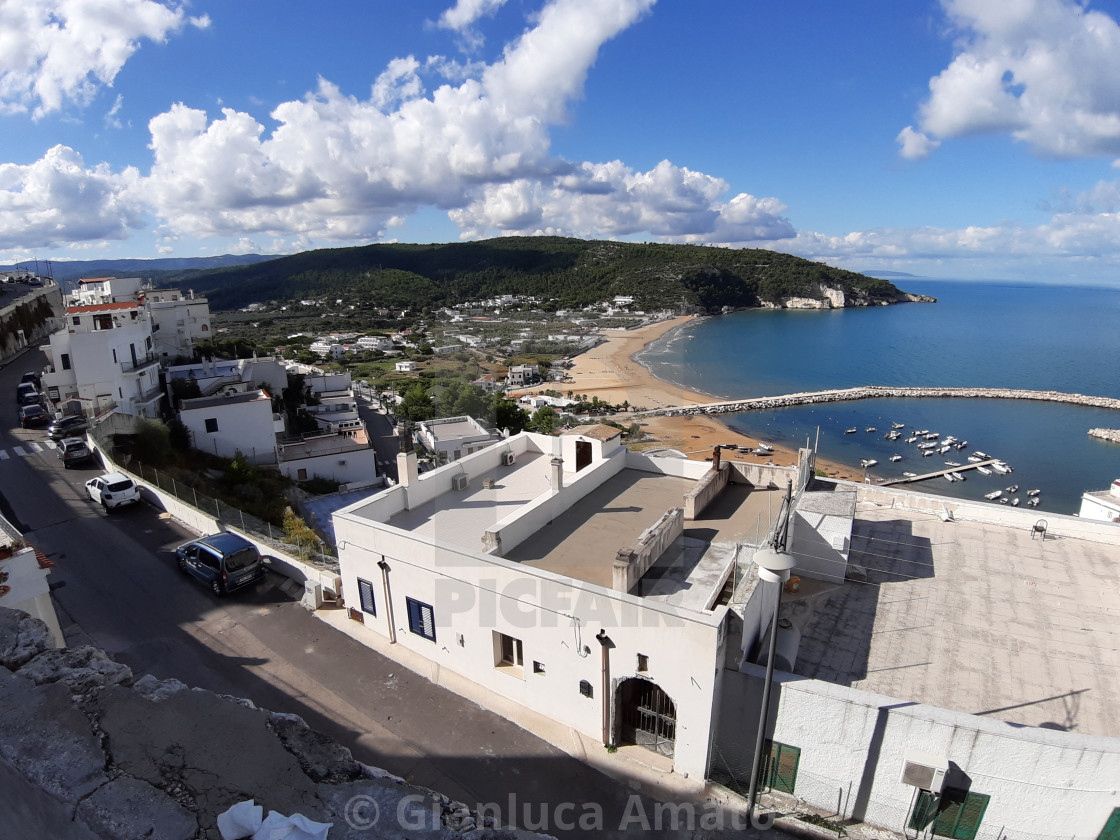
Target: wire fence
(315, 552)
(837, 805)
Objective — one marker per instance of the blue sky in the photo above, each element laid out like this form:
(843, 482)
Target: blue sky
(960, 138)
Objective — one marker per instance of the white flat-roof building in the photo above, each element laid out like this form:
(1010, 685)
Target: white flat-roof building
(226, 425)
(346, 457)
(404, 367)
(455, 437)
(1102, 505)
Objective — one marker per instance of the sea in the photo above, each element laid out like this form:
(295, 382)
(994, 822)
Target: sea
(977, 334)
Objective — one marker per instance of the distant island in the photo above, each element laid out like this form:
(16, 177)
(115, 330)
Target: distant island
(552, 272)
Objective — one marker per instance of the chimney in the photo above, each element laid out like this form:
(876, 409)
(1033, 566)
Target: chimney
(557, 473)
(407, 471)
(715, 459)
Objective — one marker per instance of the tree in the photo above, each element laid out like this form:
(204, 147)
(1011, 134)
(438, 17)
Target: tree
(544, 420)
(417, 405)
(509, 415)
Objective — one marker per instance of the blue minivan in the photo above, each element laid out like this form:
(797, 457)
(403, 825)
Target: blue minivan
(224, 562)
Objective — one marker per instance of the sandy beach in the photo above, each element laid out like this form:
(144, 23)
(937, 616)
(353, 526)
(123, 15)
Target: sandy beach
(610, 373)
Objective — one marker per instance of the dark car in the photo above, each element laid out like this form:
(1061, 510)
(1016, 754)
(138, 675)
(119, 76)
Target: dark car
(73, 451)
(224, 562)
(33, 415)
(65, 427)
(26, 394)
(30, 377)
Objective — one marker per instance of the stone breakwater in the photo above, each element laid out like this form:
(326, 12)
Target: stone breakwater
(1106, 434)
(868, 392)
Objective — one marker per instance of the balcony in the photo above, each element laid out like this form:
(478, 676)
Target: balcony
(139, 363)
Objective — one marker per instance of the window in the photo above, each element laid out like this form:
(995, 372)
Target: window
(643, 662)
(780, 772)
(114, 355)
(956, 813)
(211, 424)
(365, 595)
(103, 322)
(77, 321)
(66, 361)
(421, 619)
(508, 651)
(301, 475)
(585, 689)
(538, 667)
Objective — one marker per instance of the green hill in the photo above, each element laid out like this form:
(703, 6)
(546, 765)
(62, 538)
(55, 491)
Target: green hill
(562, 273)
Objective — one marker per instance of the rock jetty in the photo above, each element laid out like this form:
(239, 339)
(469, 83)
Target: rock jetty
(1106, 434)
(870, 392)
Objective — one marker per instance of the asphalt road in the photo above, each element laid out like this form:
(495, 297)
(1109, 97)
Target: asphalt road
(116, 586)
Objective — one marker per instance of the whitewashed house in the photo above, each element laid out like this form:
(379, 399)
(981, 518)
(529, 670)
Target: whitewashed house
(404, 367)
(1102, 505)
(454, 437)
(345, 456)
(226, 425)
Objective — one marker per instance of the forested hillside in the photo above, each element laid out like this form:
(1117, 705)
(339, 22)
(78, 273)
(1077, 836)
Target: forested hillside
(561, 272)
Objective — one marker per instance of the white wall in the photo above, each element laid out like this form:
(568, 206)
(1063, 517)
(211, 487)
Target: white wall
(354, 466)
(242, 426)
(1041, 781)
(556, 618)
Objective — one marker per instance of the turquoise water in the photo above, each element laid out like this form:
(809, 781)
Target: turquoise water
(977, 335)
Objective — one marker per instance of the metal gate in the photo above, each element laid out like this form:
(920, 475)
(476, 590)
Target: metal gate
(648, 717)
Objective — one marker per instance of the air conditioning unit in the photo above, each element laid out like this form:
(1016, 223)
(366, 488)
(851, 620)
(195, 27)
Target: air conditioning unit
(459, 482)
(507, 459)
(925, 771)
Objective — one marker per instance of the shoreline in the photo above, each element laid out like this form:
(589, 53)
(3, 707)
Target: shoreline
(611, 372)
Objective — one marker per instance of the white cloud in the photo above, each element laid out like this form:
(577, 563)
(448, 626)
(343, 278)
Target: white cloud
(1047, 71)
(915, 145)
(465, 12)
(54, 51)
(57, 200)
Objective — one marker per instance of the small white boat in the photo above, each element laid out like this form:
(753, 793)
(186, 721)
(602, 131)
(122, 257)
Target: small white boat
(1032, 501)
(983, 471)
(1015, 502)
(1033, 492)
(911, 439)
(983, 456)
(949, 477)
(898, 425)
(910, 475)
(928, 453)
(1001, 468)
(952, 464)
(868, 462)
(765, 447)
(850, 431)
(896, 458)
(995, 494)
(921, 432)
(1014, 488)
(944, 449)
(927, 446)
(871, 429)
(961, 444)
(973, 459)
(932, 435)
(1003, 501)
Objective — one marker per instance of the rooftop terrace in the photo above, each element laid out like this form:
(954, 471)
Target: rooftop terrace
(978, 618)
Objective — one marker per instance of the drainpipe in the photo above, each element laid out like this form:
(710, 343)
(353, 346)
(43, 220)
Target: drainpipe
(606, 644)
(388, 601)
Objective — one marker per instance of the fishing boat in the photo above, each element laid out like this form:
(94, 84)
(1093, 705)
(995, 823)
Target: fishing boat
(868, 462)
(983, 471)
(995, 494)
(892, 435)
(898, 425)
(851, 431)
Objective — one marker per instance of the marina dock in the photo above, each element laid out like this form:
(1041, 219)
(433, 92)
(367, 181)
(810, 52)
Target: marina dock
(938, 473)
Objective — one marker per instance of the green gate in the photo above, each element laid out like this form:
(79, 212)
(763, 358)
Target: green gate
(780, 769)
(955, 814)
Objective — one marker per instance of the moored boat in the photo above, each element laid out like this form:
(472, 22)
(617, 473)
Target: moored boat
(983, 471)
(851, 431)
(995, 494)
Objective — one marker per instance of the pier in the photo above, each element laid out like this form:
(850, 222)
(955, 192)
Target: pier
(869, 392)
(937, 473)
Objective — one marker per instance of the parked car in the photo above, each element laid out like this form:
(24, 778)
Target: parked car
(26, 394)
(65, 427)
(113, 490)
(73, 451)
(224, 562)
(33, 415)
(30, 377)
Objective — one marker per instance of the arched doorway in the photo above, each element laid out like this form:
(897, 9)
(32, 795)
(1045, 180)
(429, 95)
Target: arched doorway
(646, 716)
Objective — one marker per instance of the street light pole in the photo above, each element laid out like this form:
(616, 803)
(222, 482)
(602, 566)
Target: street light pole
(773, 566)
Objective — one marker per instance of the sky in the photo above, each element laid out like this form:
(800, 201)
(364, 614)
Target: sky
(953, 138)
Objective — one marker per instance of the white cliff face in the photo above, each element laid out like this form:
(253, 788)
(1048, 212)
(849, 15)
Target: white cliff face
(807, 303)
